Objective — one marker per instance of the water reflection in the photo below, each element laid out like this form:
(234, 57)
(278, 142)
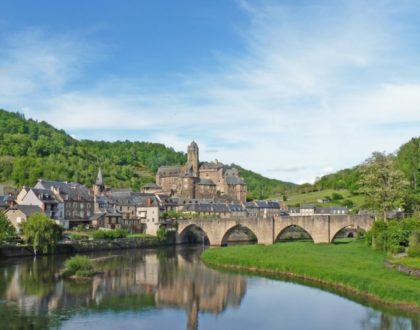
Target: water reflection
(134, 280)
(33, 296)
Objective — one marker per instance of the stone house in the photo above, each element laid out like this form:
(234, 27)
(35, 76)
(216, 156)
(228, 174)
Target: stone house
(108, 218)
(75, 202)
(263, 209)
(19, 214)
(45, 199)
(307, 209)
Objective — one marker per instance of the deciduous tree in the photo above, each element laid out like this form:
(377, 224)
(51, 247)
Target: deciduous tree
(42, 233)
(383, 184)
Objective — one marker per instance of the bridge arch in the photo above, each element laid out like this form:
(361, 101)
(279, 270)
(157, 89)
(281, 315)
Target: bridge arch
(230, 230)
(189, 229)
(291, 226)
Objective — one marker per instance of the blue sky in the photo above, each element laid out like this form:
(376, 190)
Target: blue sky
(290, 89)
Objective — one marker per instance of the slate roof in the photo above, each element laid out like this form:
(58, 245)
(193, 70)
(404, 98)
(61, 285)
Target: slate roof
(175, 170)
(67, 190)
(236, 207)
(251, 205)
(204, 207)
(28, 209)
(211, 165)
(234, 180)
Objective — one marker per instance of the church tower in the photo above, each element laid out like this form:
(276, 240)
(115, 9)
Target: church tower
(192, 159)
(99, 187)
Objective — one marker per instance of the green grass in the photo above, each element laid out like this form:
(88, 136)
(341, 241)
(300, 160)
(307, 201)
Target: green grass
(313, 197)
(406, 261)
(352, 266)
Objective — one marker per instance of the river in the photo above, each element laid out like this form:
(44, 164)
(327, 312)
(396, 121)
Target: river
(172, 289)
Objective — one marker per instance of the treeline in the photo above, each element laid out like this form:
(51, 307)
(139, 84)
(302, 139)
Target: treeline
(30, 150)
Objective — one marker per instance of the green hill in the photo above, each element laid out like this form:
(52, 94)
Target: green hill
(260, 187)
(346, 182)
(30, 150)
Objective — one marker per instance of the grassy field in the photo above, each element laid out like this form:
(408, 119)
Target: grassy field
(352, 266)
(313, 197)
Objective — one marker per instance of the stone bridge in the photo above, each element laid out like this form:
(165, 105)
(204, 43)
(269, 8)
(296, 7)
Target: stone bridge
(322, 228)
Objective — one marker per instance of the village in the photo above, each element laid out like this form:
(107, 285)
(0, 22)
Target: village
(194, 190)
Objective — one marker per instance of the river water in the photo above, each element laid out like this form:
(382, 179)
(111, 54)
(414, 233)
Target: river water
(172, 289)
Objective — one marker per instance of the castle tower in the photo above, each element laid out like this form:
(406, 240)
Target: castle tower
(99, 187)
(192, 159)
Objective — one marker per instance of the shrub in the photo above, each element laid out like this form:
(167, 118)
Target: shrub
(414, 244)
(79, 266)
(391, 236)
(110, 234)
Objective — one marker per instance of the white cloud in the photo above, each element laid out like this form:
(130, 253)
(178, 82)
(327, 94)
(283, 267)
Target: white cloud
(319, 87)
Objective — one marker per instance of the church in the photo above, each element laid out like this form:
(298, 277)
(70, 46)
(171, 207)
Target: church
(205, 180)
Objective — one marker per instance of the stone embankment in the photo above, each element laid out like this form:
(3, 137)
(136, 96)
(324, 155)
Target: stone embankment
(84, 246)
(403, 269)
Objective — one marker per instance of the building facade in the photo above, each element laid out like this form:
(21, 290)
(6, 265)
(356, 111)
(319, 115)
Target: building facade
(201, 180)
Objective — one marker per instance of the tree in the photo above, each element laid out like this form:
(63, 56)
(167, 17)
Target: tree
(7, 231)
(42, 233)
(383, 184)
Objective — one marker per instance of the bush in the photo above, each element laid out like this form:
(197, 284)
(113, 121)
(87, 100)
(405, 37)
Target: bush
(79, 266)
(414, 244)
(110, 234)
(391, 236)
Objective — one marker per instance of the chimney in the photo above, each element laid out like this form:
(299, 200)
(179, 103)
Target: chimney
(149, 202)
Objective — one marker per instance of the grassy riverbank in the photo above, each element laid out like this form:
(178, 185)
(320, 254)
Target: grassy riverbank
(352, 267)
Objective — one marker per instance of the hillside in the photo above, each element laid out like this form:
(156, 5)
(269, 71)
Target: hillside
(30, 150)
(346, 182)
(260, 187)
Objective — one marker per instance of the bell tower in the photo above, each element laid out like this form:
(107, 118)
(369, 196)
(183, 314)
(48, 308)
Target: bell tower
(192, 159)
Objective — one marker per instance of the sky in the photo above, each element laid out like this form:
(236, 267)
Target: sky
(290, 89)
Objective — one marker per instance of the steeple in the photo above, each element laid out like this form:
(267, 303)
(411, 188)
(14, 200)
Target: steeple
(99, 186)
(99, 178)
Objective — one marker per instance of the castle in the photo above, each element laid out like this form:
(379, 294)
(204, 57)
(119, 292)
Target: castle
(205, 180)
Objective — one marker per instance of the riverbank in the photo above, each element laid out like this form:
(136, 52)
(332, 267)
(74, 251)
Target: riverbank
(350, 268)
(85, 246)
